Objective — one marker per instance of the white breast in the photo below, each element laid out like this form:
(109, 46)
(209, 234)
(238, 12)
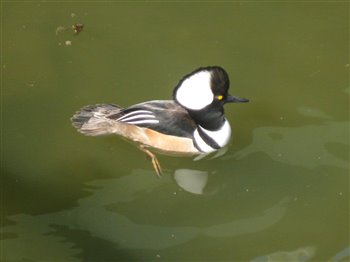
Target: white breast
(221, 137)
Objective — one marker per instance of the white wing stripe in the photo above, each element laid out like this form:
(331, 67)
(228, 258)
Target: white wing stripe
(135, 113)
(146, 121)
(130, 118)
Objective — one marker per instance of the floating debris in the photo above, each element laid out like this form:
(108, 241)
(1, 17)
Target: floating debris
(77, 28)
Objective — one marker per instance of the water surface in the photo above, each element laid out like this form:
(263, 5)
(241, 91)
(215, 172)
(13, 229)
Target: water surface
(281, 191)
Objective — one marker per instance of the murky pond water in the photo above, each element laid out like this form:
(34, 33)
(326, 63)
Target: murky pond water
(281, 191)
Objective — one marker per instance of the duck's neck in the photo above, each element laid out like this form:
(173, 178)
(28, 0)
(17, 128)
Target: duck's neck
(209, 119)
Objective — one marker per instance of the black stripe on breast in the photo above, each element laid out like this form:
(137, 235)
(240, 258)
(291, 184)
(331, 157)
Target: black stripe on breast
(207, 139)
(196, 146)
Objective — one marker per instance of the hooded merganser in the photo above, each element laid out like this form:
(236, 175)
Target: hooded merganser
(193, 123)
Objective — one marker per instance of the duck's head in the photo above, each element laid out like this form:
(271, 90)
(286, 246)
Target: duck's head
(203, 93)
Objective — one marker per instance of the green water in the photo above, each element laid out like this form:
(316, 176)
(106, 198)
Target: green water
(281, 191)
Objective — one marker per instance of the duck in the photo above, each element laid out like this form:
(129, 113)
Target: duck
(192, 123)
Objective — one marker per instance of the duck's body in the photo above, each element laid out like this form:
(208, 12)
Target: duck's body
(193, 123)
(159, 124)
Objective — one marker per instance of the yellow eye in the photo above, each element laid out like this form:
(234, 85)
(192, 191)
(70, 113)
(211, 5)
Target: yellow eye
(220, 97)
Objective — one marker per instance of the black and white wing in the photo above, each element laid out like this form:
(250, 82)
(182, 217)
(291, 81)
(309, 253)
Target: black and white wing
(136, 116)
(164, 116)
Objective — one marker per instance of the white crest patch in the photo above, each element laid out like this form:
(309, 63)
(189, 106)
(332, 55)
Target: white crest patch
(195, 91)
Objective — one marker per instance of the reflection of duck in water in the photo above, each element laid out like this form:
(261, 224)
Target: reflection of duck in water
(191, 180)
(193, 123)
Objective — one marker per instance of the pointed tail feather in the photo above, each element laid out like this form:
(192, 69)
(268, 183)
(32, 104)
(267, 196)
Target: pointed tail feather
(93, 121)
